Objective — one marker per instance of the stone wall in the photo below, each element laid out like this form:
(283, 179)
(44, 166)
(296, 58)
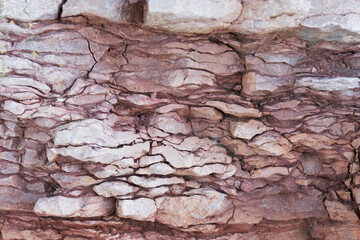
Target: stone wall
(191, 119)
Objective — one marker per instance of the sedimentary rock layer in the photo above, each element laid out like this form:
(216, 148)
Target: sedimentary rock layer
(179, 120)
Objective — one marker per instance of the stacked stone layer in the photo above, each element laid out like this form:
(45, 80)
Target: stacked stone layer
(112, 130)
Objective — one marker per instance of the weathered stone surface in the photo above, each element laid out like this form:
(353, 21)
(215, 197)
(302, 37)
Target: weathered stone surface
(152, 182)
(192, 16)
(91, 131)
(311, 164)
(270, 143)
(247, 130)
(257, 85)
(101, 155)
(206, 112)
(13, 199)
(171, 123)
(60, 206)
(109, 9)
(282, 207)
(114, 189)
(69, 181)
(270, 171)
(143, 209)
(157, 168)
(149, 160)
(339, 212)
(183, 159)
(203, 206)
(236, 110)
(30, 11)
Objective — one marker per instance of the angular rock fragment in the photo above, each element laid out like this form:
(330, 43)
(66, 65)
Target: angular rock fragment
(114, 189)
(108, 171)
(206, 113)
(183, 159)
(270, 143)
(236, 110)
(69, 181)
(149, 160)
(100, 155)
(270, 171)
(109, 9)
(171, 123)
(8, 167)
(152, 182)
(201, 207)
(143, 209)
(14, 199)
(30, 11)
(192, 144)
(157, 168)
(254, 84)
(247, 130)
(60, 206)
(311, 164)
(341, 85)
(91, 131)
(191, 15)
(278, 207)
(340, 212)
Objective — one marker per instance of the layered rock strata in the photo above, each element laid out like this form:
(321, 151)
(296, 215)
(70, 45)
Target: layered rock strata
(179, 119)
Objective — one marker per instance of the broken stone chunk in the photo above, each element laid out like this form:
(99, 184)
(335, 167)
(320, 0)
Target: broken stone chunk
(148, 160)
(114, 189)
(278, 207)
(311, 164)
(30, 11)
(192, 144)
(205, 170)
(184, 159)
(247, 130)
(108, 171)
(60, 206)
(143, 209)
(14, 199)
(340, 212)
(109, 9)
(270, 143)
(191, 15)
(152, 182)
(171, 123)
(8, 167)
(157, 168)
(91, 131)
(201, 207)
(270, 171)
(235, 110)
(69, 181)
(100, 155)
(254, 84)
(206, 113)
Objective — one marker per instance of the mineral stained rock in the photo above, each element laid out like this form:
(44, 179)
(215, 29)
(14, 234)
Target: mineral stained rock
(193, 119)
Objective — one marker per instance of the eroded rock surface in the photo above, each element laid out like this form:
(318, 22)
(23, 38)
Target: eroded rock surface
(194, 119)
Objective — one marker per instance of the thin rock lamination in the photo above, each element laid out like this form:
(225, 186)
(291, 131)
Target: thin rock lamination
(111, 130)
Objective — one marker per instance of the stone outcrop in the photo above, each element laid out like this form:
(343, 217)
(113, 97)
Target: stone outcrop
(194, 119)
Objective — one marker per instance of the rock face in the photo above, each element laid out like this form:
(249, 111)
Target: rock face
(193, 119)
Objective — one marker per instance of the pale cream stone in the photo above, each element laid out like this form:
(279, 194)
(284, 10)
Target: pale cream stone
(114, 189)
(60, 206)
(143, 209)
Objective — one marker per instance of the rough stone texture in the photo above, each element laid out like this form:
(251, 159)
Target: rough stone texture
(196, 119)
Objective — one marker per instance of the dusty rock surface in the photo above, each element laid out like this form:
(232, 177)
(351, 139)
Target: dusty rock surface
(196, 119)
